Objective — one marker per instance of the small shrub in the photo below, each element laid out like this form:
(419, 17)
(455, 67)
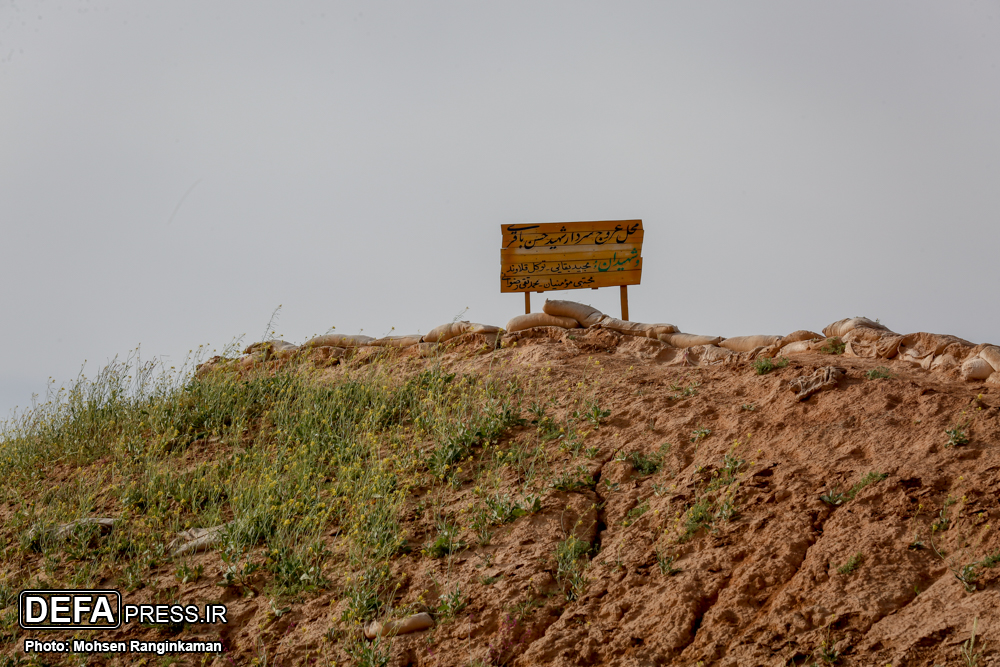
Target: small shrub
(852, 564)
(827, 653)
(185, 574)
(685, 392)
(749, 407)
(595, 415)
(298, 569)
(834, 346)
(967, 576)
(645, 465)
(452, 603)
(726, 510)
(990, 561)
(636, 512)
(969, 654)
(837, 497)
(942, 522)
(879, 373)
(764, 365)
(726, 475)
(481, 527)
(446, 542)
(573, 480)
(870, 478)
(569, 569)
(700, 434)
(370, 654)
(957, 435)
(537, 410)
(697, 517)
(549, 429)
(666, 563)
(503, 509)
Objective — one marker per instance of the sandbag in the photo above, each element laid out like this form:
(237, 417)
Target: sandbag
(397, 341)
(414, 623)
(748, 343)
(688, 340)
(871, 343)
(976, 368)
(841, 327)
(440, 334)
(212, 364)
(271, 349)
(540, 320)
(338, 340)
(656, 330)
(710, 354)
(197, 539)
(585, 315)
(943, 363)
(920, 348)
(637, 328)
(991, 353)
(798, 336)
(799, 347)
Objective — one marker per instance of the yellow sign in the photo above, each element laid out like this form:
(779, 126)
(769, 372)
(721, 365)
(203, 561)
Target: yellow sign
(570, 255)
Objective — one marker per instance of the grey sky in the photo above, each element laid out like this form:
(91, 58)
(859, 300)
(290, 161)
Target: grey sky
(171, 172)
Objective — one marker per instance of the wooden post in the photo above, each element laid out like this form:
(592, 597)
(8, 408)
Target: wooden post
(625, 302)
(527, 302)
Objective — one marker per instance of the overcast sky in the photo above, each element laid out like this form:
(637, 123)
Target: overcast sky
(171, 172)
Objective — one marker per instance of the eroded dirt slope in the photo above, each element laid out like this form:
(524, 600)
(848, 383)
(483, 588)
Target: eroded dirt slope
(725, 523)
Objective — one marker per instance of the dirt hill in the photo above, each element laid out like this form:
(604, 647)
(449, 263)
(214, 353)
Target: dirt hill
(565, 497)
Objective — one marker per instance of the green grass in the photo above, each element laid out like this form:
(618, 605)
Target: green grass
(990, 561)
(764, 365)
(698, 516)
(957, 435)
(700, 434)
(852, 564)
(879, 373)
(868, 479)
(666, 563)
(647, 464)
(278, 453)
(633, 514)
(574, 480)
(837, 497)
(834, 346)
(570, 566)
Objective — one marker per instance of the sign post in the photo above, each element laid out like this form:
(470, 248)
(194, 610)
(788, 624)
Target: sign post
(551, 256)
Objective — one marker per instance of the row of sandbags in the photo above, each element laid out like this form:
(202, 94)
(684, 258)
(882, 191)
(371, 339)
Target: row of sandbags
(939, 352)
(866, 338)
(571, 315)
(862, 337)
(328, 348)
(440, 334)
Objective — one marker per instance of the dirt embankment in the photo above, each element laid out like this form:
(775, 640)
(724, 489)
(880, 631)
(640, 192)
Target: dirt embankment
(722, 522)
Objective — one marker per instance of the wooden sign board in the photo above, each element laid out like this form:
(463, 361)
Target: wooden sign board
(570, 255)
